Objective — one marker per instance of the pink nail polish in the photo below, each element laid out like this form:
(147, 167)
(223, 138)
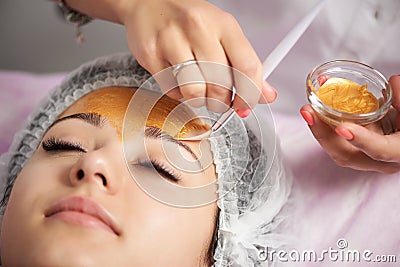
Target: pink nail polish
(307, 117)
(322, 79)
(345, 133)
(276, 93)
(243, 113)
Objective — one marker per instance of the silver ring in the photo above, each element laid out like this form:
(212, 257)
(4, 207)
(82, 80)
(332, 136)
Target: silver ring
(178, 67)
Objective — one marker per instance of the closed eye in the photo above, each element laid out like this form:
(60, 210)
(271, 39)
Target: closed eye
(58, 145)
(163, 170)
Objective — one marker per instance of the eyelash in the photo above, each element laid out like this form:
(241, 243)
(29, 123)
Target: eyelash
(161, 169)
(55, 144)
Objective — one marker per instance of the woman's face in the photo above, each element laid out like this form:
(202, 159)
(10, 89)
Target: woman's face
(75, 203)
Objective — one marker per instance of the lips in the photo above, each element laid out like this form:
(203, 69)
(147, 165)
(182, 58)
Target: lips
(82, 211)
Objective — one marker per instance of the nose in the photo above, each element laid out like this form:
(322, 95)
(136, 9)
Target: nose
(96, 168)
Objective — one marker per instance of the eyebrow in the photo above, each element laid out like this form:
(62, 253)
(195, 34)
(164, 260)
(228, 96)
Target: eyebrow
(93, 119)
(98, 121)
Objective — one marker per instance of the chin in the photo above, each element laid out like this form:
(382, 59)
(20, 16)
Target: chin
(46, 256)
(54, 248)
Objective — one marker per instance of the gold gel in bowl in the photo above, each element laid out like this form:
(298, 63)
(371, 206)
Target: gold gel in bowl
(347, 96)
(344, 90)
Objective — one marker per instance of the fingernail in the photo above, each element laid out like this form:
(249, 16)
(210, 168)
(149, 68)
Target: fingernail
(345, 133)
(322, 79)
(243, 113)
(276, 93)
(307, 117)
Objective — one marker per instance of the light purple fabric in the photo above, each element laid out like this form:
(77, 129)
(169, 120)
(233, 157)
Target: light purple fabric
(19, 94)
(333, 203)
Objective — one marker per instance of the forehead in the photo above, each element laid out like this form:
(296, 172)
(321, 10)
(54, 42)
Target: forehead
(112, 103)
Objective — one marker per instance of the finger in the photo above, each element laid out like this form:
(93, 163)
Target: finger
(325, 134)
(177, 50)
(148, 53)
(192, 85)
(149, 56)
(323, 78)
(365, 156)
(247, 92)
(266, 92)
(377, 146)
(156, 66)
(334, 145)
(216, 72)
(360, 161)
(395, 84)
(244, 59)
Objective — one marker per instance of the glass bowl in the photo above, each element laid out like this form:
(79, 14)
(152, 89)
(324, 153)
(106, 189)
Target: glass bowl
(352, 74)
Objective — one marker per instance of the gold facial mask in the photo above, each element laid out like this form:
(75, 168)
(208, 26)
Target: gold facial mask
(347, 96)
(175, 119)
(112, 102)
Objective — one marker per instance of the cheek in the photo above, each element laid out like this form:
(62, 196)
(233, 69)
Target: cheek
(22, 215)
(174, 236)
(40, 176)
(35, 183)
